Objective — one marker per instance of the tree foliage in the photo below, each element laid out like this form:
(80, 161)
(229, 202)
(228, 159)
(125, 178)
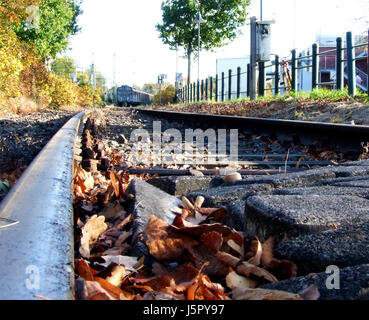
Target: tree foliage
(57, 22)
(224, 17)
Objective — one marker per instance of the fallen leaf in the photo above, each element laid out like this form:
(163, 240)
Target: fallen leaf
(212, 240)
(310, 293)
(115, 183)
(114, 274)
(84, 270)
(263, 294)
(267, 254)
(258, 251)
(122, 238)
(163, 242)
(90, 233)
(127, 262)
(248, 269)
(234, 280)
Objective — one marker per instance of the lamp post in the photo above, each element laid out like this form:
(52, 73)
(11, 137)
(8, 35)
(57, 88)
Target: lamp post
(199, 20)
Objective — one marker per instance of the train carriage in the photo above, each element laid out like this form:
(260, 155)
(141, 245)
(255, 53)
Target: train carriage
(129, 96)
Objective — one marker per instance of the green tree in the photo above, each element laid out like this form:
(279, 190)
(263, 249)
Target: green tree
(63, 67)
(224, 17)
(151, 88)
(57, 22)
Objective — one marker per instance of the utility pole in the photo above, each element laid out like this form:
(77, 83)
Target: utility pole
(93, 80)
(114, 83)
(253, 59)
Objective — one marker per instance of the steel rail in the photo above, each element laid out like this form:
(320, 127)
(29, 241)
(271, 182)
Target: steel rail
(344, 134)
(37, 254)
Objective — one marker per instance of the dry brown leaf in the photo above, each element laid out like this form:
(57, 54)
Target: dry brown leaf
(282, 269)
(112, 210)
(248, 269)
(163, 242)
(227, 259)
(90, 233)
(84, 270)
(94, 291)
(128, 262)
(310, 293)
(199, 202)
(234, 246)
(89, 183)
(115, 183)
(268, 248)
(263, 294)
(111, 289)
(258, 251)
(187, 204)
(122, 238)
(234, 280)
(212, 240)
(114, 274)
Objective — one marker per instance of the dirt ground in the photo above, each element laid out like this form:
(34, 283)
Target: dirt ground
(348, 111)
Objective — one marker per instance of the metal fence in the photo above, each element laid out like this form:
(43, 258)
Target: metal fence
(281, 75)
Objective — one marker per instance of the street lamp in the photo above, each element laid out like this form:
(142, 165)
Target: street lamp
(199, 20)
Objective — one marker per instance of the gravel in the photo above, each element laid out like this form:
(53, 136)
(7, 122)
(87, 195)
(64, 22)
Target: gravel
(22, 137)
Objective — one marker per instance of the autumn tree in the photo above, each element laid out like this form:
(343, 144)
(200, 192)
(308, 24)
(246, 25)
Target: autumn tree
(57, 21)
(224, 17)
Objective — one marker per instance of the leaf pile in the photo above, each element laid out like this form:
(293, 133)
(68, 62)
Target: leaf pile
(196, 257)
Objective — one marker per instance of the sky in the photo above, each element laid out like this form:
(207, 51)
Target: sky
(125, 29)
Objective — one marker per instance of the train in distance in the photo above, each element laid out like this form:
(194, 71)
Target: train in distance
(128, 96)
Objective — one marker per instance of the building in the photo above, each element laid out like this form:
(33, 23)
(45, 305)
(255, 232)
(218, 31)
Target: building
(223, 66)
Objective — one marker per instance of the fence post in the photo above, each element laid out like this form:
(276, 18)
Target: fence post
(198, 91)
(222, 93)
(261, 91)
(211, 88)
(339, 65)
(294, 71)
(248, 79)
(238, 82)
(206, 89)
(190, 92)
(194, 92)
(351, 64)
(276, 75)
(315, 68)
(367, 63)
(216, 87)
(202, 90)
(230, 84)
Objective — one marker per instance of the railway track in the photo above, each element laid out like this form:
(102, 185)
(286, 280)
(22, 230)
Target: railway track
(36, 218)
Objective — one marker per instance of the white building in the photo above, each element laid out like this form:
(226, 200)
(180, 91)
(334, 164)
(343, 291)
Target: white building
(224, 65)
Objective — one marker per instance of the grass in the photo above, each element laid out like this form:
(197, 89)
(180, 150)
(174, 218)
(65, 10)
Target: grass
(315, 95)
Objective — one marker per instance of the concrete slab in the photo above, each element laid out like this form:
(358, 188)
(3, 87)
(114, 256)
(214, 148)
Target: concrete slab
(180, 185)
(326, 190)
(220, 195)
(148, 200)
(236, 215)
(354, 284)
(347, 246)
(289, 216)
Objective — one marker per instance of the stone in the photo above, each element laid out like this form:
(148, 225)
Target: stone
(354, 284)
(216, 182)
(326, 190)
(147, 201)
(288, 179)
(220, 195)
(344, 247)
(290, 216)
(180, 185)
(236, 215)
(122, 139)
